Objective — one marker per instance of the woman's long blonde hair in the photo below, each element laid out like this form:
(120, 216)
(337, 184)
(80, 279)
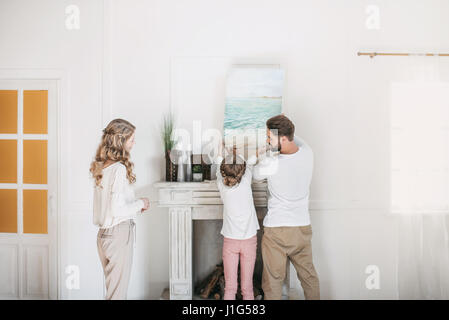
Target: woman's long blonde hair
(112, 147)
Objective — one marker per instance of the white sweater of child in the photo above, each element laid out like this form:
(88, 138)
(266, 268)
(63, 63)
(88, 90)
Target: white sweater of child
(239, 214)
(115, 201)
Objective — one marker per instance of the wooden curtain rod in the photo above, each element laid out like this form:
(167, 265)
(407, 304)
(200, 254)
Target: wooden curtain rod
(373, 54)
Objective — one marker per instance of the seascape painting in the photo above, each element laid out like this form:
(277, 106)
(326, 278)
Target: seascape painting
(253, 95)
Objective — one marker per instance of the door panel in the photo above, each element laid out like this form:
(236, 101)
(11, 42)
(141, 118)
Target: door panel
(8, 110)
(8, 161)
(35, 161)
(8, 211)
(35, 284)
(8, 271)
(35, 211)
(35, 111)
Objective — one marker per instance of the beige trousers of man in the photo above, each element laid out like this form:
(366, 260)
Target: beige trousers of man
(115, 248)
(293, 243)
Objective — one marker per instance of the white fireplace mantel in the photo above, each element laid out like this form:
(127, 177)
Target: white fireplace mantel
(188, 201)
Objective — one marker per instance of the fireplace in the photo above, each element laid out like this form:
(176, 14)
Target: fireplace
(195, 210)
(207, 254)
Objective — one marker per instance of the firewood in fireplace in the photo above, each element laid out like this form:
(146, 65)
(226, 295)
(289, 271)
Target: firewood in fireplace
(213, 286)
(212, 282)
(221, 284)
(200, 287)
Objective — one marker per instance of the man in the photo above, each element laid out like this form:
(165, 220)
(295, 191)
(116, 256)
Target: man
(287, 229)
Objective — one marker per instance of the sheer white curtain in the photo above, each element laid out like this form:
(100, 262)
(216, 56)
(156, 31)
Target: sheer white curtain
(420, 187)
(423, 257)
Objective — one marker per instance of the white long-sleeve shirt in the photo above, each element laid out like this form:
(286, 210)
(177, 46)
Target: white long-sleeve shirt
(116, 201)
(239, 214)
(288, 178)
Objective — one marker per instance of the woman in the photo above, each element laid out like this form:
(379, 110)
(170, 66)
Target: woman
(115, 205)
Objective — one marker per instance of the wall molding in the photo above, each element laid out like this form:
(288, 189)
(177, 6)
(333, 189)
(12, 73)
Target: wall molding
(106, 69)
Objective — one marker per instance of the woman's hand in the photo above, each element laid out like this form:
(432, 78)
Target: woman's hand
(146, 204)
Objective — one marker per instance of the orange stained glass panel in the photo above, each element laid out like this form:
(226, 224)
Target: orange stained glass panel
(8, 161)
(35, 211)
(35, 111)
(8, 111)
(8, 210)
(35, 161)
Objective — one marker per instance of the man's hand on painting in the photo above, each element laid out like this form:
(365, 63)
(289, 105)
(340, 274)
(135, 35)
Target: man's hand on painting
(227, 150)
(261, 152)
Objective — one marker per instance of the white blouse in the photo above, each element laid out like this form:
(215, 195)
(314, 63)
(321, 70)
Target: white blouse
(239, 214)
(116, 201)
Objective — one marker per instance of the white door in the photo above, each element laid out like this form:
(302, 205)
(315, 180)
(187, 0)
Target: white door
(28, 189)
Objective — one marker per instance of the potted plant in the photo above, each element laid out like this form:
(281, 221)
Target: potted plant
(197, 170)
(168, 125)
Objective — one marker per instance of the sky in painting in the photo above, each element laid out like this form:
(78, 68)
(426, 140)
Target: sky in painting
(252, 82)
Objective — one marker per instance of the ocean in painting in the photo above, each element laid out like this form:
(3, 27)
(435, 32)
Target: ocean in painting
(250, 113)
(253, 95)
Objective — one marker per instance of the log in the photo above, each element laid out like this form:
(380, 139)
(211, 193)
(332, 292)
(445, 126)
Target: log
(221, 283)
(214, 278)
(202, 285)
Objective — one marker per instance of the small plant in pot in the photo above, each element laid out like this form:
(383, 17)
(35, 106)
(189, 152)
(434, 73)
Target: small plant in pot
(197, 171)
(168, 126)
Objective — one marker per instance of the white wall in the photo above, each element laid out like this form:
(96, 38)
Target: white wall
(153, 50)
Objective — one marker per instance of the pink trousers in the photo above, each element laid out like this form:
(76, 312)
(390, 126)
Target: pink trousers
(233, 250)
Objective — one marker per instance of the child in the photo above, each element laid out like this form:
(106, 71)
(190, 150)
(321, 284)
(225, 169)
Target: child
(115, 205)
(240, 225)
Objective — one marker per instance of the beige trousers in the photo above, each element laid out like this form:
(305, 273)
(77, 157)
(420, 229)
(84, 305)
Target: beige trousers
(115, 248)
(293, 243)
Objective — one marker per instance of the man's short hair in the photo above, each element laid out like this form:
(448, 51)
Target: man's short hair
(283, 125)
